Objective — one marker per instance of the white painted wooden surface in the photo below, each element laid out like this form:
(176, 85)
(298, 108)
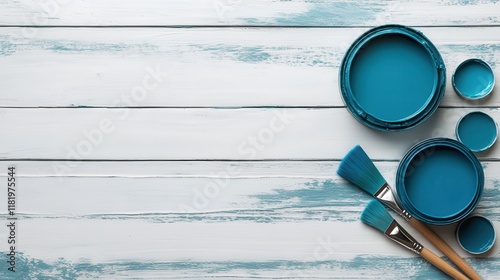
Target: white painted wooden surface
(200, 139)
(246, 12)
(202, 67)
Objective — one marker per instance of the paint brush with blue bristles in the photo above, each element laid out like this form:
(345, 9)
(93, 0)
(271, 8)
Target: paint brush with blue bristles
(377, 216)
(357, 168)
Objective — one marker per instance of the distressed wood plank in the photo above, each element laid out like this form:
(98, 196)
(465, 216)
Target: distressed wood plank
(243, 12)
(233, 250)
(211, 191)
(222, 67)
(286, 223)
(386, 268)
(323, 247)
(206, 134)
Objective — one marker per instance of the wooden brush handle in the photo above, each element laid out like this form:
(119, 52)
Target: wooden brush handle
(442, 246)
(444, 266)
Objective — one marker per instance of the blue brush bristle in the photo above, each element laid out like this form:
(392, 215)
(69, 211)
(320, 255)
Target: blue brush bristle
(376, 216)
(357, 168)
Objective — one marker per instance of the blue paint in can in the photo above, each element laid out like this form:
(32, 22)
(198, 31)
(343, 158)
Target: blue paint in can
(439, 181)
(476, 234)
(477, 130)
(473, 79)
(392, 78)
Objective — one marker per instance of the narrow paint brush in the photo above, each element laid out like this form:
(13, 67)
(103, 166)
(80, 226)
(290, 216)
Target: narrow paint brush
(357, 168)
(377, 216)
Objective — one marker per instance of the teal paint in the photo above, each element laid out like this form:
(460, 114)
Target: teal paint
(69, 46)
(253, 55)
(473, 79)
(439, 181)
(476, 234)
(467, 2)
(386, 63)
(392, 78)
(328, 13)
(318, 200)
(316, 193)
(11, 44)
(270, 55)
(257, 54)
(6, 47)
(486, 51)
(454, 193)
(477, 130)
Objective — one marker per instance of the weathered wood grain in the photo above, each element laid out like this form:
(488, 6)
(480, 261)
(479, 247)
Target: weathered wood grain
(219, 128)
(211, 191)
(199, 67)
(245, 12)
(206, 134)
(123, 220)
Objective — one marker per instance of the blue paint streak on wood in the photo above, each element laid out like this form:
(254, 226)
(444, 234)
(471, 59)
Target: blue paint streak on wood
(6, 47)
(468, 2)
(363, 266)
(335, 196)
(330, 13)
(11, 44)
(488, 52)
(235, 52)
(317, 200)
(316, 193)
(271, 55)
(64, 46)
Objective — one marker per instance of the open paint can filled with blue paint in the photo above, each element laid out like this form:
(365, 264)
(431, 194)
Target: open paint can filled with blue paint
(439, 181)
(392, 78)
(477, 130)
(473, 79)
(476, 234)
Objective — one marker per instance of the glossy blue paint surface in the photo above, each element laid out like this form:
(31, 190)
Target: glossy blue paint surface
(477, 130)
(440, 181)
(476, 234)
(442, 184)
(392, 78)
(473, 79)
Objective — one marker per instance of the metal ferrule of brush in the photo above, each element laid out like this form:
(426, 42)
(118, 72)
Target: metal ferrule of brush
(401, 236)
(385, 195)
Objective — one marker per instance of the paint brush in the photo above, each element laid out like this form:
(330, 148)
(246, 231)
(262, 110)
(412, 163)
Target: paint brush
(377, 216)
(357, 168)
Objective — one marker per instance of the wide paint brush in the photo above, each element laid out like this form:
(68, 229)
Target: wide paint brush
(377, 216)
(357, 168)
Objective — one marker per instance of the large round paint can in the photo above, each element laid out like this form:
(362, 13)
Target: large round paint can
(392, 78)
(439, 181)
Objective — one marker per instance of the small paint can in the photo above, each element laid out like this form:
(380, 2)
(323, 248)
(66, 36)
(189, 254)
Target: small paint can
(477, 130)
(439, 181)
(392, 78)
(476, 234)
(473, 79)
